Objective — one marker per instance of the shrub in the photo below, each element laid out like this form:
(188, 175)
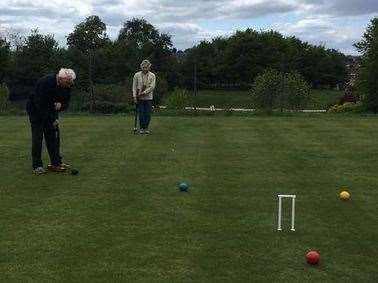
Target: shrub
(4, 98)
(179, 99)
(79, 99)
(113, 93)
(267, 89)
(161, 89)
(348, 98)
(297, 91)
(347, 107)
(106, 107)
(272, 90)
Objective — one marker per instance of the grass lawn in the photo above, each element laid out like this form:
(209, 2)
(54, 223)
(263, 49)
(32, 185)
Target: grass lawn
(124, 220)
(320, 99)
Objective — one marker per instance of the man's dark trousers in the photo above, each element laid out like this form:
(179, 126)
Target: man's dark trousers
(40, 129)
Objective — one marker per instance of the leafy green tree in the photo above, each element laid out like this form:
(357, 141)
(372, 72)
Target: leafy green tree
(143, 40)
(35, 56)
(138, 40)
(368, 81)
(139, 32)
(236, 61)
(4, 58)
(4, 98)
(87, 37)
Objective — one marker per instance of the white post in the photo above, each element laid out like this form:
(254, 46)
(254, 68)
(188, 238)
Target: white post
(279, 212)
(293, 214)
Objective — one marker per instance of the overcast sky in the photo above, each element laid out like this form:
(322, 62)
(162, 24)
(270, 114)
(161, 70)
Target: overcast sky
(333, 23)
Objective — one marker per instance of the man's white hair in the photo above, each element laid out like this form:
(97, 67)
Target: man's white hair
(145, 63)
(67, 74)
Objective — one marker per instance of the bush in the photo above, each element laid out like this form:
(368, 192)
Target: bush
(79, 99)
(106, 107)
(113, 93)
(179, 99)
(347, 107)
(161, 89)
(267, 89)
(4, 98)
(348, 98)
(297, 91)
(272, 90)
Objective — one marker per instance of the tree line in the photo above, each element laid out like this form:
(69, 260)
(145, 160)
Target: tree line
(223, 62)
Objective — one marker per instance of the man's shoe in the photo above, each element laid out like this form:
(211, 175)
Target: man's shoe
(65, 166)
(142, 132)
(147, 132)
(54, 168)
(39, 171)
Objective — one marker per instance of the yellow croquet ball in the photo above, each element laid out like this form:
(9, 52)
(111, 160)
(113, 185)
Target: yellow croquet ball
(344, 195)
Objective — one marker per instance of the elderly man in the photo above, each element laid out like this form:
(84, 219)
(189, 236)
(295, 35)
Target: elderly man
(52, 95)
(143, 91)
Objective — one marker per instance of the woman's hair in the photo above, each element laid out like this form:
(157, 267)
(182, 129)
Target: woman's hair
(145, 63)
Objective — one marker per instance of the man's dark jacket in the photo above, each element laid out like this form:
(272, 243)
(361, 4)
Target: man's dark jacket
(40, 105)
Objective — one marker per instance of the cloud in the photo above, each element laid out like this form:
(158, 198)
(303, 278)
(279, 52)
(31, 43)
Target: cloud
(190, 21)
(324, 31)
(341, 7)
(185, 34)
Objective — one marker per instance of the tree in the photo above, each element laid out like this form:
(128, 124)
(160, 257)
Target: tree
(138, 40)
(89, 36)
(33, 57)
(4, 58)
(139, 32)
(4, 98)
(143, 40)
(368, 81)
(235, 61)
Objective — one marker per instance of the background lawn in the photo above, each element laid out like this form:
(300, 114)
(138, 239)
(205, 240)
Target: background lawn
(320, 99)
(123, 220)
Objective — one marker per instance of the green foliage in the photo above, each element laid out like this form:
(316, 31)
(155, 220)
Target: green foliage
(236, 61)
(114, 93)
(106, 107)
(139, 40)
(79, 100)
(161, 89)
(4, 58)
(273, 89)
(368, 81)
(297, 92)
(179, 99)
(347, 107)
(88, 35)
(222, 63)
(4, 98)
(267, 90)
(35, 56)
(109, 98)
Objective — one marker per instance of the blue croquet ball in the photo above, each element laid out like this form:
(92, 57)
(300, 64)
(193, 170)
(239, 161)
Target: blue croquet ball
(183, 187)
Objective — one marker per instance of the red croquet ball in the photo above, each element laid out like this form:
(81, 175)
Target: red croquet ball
(312, 257)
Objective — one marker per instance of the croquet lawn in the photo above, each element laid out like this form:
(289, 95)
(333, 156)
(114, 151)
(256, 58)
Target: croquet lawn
(123, 219)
